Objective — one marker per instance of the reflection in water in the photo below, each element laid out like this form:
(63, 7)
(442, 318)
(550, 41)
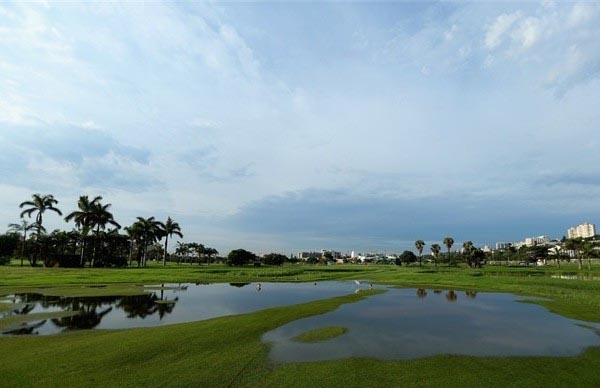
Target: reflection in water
(471, 294)
(403, 324)
(161, 304)
(451, 296)
(91, 310)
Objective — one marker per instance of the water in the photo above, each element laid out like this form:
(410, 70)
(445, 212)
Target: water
(408, 323)
(183, 303)
(399, 324)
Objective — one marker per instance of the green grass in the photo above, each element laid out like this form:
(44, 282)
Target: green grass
(228, 352)
(12, 321)
(321, 334)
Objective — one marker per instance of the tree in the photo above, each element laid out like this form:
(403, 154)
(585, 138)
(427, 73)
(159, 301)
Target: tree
(274, 259)
(84, 218)
(100, 218)
(587, 251)
(149, 231)
(574, 244)
(407, 257)
(24, 227)
(210, 252)
(435, 251)
(448, 242)
(240, 257)
(420, 244)
(170, 228)
(39, 204)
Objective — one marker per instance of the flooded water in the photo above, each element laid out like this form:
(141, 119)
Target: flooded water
(409, 323)
(399, 324)
(181, 303)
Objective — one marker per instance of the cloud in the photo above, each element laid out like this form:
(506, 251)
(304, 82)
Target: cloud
(496, 32)
(60, 153)
(383, 222)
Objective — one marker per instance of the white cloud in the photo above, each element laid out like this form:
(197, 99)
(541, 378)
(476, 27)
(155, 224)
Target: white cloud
(496, 32)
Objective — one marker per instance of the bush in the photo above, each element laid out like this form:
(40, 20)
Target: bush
(240, 257)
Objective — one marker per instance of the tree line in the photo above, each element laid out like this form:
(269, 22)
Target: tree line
(96, 239)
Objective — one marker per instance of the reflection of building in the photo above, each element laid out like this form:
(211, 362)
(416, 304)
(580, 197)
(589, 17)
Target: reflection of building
(584, 230)
(540, 240)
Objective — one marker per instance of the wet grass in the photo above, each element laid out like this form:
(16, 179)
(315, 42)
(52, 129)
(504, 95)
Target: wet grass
(321, 334)
(15, 320)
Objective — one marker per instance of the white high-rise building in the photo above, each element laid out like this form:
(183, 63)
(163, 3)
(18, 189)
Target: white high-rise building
(540, 240)
(584, 230)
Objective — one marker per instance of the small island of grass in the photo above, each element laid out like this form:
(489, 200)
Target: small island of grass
(321, 334)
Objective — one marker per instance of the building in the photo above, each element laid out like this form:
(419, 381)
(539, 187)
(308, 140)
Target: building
(584, 230)
(503, 245)
(308, 255)
(540, 240)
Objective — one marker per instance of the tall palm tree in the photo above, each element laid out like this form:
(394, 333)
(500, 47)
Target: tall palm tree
(435, 251)
(24, 227)
(150, 231)
(84, 218)
(39, 204)
(420, 244)
(209, 252)
(448, 242)
(134, 233)
(170, 228)
(100, 218)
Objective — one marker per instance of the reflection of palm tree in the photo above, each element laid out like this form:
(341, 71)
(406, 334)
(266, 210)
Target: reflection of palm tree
(421, 293)
(471, 294)
(451, 296)
(88, 318)
(26, 329)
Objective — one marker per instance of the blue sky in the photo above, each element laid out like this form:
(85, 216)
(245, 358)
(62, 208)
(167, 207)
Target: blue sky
(279, 127)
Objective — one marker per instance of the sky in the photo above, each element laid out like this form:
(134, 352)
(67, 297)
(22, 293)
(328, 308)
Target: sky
(282, 127)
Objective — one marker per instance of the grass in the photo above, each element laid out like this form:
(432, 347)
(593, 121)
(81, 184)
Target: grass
(15, 320)
(321, 334)
(227, 351)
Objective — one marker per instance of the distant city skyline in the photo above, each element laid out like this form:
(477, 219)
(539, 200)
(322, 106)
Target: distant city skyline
(288, 127)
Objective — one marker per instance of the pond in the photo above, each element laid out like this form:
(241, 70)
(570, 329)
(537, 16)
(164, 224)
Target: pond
(409, 323)
(397, 324)
(159, 305)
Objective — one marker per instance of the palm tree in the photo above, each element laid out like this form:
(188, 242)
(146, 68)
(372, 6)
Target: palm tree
(134, 234)
(420, 244)
(209, 252)
(24, 226)
(84, 218)
(435, 251)
(39, 204)
(448, 242)
(170, 228)
(150, 231)
(100, 218)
